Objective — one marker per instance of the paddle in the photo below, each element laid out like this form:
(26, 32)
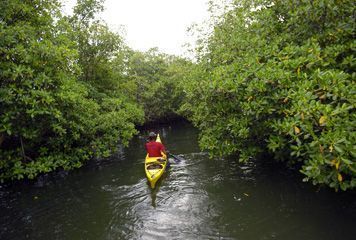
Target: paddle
(179, 159)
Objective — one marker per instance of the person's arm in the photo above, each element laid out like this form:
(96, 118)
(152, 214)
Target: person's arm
(163, 149)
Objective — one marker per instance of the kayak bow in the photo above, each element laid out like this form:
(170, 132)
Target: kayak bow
(155, 166)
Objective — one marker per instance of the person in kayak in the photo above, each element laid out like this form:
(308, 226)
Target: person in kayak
(154, 148)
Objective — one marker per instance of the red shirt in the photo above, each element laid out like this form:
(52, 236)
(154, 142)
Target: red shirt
(154, 149)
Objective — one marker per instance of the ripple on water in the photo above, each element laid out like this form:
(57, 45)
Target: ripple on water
(176, 208)
(198, 198)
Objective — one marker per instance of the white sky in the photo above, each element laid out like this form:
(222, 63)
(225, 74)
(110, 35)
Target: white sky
(154, 23)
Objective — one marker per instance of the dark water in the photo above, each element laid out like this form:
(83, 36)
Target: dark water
(198, 198)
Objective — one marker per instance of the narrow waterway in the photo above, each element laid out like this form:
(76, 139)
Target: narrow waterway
(198, 198)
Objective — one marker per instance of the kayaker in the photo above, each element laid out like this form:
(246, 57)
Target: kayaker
(154, 148)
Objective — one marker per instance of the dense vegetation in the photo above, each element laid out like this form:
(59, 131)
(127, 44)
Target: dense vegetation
(70, 87)
(155, 80)
(278, 76)
(273, 76)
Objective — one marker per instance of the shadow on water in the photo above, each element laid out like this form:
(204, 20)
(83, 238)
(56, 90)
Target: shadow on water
(197, 198)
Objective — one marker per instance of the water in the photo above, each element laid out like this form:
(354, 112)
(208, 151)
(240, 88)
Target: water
(198, 198)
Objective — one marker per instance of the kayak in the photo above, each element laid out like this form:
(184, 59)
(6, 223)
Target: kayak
(155, 166)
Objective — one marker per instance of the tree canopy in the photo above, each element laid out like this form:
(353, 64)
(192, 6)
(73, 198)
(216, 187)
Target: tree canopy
(60, 103)
(278, 76)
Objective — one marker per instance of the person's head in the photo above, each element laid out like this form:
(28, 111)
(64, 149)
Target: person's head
(152, 136)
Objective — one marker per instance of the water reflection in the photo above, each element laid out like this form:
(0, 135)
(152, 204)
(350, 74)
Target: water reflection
(197, 198)
(156, 190)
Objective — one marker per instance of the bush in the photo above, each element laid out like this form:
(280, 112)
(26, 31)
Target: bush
(50, 119)
(278, 76)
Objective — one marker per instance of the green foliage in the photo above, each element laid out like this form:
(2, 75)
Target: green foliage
(156, 78)
(279, 76)
(49, 118)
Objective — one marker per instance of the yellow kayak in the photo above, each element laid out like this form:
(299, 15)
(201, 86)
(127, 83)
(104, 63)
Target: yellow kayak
(155, 166)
